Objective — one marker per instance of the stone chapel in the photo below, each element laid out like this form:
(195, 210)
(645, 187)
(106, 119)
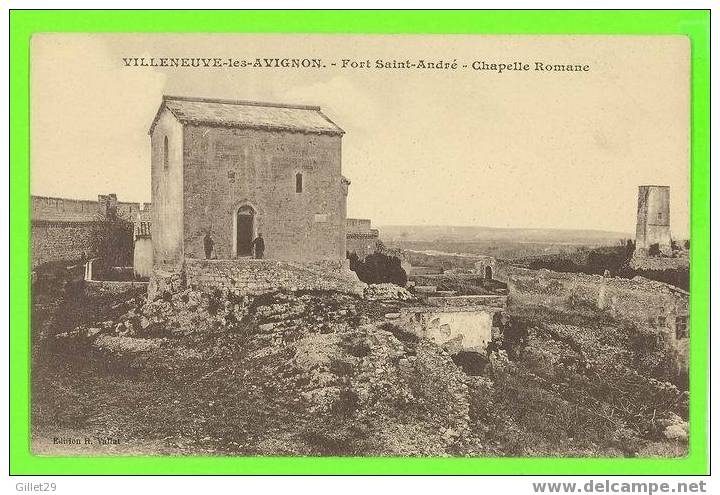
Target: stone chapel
(235, 169)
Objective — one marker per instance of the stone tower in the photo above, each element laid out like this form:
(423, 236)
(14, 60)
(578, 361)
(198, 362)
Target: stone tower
(653, 219)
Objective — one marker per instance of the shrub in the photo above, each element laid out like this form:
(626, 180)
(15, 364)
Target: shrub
(654, 355)
(378, 268)
(629, 248)
(400, 333)
(472, 363)
(112, 241)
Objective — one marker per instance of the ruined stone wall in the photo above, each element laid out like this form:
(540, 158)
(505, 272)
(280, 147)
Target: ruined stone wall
(660, 263)
(653, 219)
(644, 302)
(251, 276)
(226, 169)
(60, 241)
(496, 301)
(452, 262)
(485, 266)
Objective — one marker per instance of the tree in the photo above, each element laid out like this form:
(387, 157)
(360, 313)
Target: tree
(112, 240)
(629, 249)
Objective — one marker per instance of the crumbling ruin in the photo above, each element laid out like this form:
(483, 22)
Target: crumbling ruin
(655, 250)
(653, 220)
(655, 306)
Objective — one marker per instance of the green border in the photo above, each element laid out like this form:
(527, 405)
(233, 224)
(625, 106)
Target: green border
(24, 23)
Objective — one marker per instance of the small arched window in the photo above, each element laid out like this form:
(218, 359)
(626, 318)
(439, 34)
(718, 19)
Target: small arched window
(298, 183)
(166, 155)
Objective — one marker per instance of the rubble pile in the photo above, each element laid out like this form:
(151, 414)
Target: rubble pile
(330, 373)
(182, 313)
(387, 291)
(304, 373)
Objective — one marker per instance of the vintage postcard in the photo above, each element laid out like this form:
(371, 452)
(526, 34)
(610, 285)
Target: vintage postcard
(360, 245)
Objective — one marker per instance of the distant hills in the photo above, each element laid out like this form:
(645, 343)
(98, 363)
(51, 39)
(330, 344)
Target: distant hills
(448, 233)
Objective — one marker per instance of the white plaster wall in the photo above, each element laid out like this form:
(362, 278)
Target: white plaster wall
(471, 329)
(143, 257)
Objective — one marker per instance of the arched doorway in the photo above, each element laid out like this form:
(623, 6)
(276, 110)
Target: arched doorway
(244, 230)
(488, 273)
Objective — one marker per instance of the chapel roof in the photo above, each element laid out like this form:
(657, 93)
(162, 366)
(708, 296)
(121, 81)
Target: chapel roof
(248, 114)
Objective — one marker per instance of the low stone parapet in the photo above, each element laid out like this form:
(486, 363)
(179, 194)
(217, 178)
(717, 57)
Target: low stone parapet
(253, 276)
(495, 301)
(659, 263)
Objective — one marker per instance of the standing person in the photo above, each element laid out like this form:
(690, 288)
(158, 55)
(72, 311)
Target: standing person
(259, 245)
(208, 244)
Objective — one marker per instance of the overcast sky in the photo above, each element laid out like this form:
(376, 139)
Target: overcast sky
(517, 149)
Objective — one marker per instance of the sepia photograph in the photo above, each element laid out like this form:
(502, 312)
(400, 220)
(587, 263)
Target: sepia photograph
(360, 245)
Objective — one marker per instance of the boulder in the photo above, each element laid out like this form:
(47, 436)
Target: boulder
(126, 344)
(92, 332)
(677, 431)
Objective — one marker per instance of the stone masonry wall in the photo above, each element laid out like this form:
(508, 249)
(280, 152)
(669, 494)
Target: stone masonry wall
(361, 239)
(644, 302)
(441, 260)
(226, 169)
(63, 209)
(62, 228)
(653, 219)
(639, 298)
(251, 276)
(468, 301)
(44, 208)
(358, 224)
(659, 263)
(363, 243)
(60, 241)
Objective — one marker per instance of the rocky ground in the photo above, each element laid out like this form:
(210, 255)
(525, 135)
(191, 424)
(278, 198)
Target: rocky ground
(303, 373)
(324, 373)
